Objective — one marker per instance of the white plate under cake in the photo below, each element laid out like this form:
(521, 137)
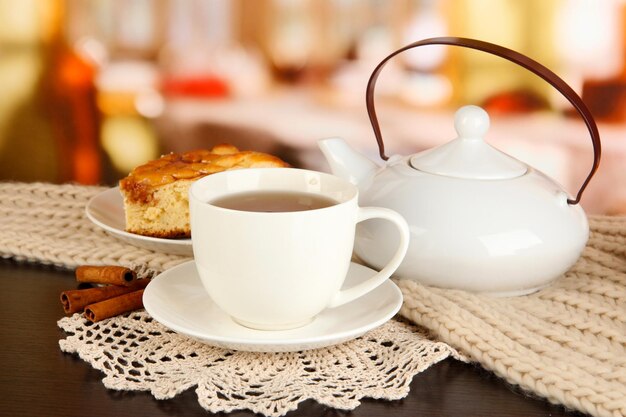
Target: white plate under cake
(106, 210)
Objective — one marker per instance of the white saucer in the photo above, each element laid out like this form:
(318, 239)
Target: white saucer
(177, 300)
(106, 210)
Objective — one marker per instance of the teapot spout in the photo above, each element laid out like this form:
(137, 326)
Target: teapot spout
(347, 163)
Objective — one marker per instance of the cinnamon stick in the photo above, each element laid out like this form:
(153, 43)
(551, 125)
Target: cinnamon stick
(77, 300)
(114, 306)
(115, 275)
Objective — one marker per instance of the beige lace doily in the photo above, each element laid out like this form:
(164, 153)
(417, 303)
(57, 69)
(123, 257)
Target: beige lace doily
(46, 223)
(137, 353)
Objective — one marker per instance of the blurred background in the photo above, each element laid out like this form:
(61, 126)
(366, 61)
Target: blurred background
(91, 88)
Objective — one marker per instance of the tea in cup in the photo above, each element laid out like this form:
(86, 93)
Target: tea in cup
(273, 245)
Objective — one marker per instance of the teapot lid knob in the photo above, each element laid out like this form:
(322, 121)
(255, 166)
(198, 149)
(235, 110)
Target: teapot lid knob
(469, 156)
(471, 122)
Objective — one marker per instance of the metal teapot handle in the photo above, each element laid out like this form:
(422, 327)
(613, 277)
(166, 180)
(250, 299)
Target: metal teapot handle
(508, 54)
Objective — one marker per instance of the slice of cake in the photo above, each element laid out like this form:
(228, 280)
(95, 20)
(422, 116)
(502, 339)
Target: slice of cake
(155, 194)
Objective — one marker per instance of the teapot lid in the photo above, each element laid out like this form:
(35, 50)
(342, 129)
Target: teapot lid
(469, 156)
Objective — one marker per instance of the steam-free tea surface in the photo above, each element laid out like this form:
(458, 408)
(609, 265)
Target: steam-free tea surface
(274, 201)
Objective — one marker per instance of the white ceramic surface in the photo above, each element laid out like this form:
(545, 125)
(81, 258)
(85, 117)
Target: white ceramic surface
(508, 235)
(469, 156)
(278, 270)
(176, 299)
(106, 210)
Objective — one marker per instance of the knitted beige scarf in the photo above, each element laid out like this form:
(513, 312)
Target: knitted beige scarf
(566, 343)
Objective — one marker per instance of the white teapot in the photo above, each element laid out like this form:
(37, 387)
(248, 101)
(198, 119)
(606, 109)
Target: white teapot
(480, 219)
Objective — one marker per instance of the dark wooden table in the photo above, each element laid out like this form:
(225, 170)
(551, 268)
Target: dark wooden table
(37, 379)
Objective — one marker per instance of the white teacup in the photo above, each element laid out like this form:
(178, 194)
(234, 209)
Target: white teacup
(278, 270)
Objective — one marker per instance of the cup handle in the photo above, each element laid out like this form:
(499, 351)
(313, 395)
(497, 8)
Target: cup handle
(365, 213)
